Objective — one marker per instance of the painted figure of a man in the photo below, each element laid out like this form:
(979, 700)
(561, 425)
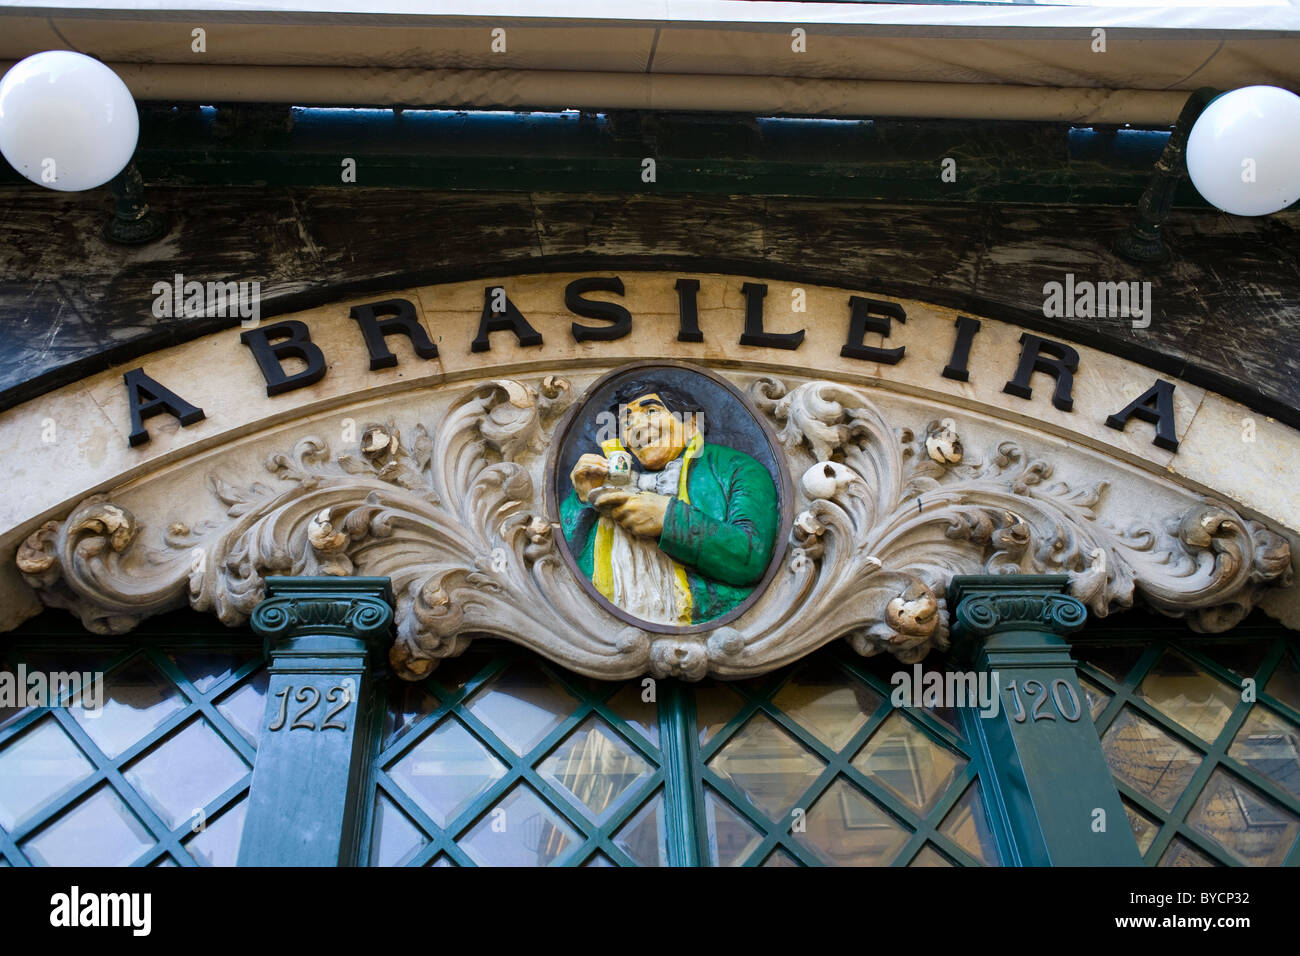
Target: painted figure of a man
(691, 532)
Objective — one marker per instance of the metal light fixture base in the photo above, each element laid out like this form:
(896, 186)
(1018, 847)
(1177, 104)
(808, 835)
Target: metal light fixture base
(133, 223)
(1144, 242)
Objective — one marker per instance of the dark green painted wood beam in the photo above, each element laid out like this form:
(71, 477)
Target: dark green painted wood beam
(711, 154)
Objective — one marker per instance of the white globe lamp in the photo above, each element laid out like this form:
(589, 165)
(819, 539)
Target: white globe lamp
(1243, 154)
(67, 121)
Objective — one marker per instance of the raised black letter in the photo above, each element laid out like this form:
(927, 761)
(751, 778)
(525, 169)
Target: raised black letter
(1061, 365)
(862, 321)
(296, 343)
(754, 334)
(956, 367)
(1161, 395)
(400, 319)
(147, 398)
(500, 315)
(620, 319)
(688, 311)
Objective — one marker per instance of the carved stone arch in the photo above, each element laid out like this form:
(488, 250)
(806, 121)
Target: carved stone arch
(438, 484)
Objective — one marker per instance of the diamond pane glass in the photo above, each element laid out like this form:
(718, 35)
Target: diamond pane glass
(1189, 695)
(526, 833)
(185, 773)
(99, 831)
(38, 766)
(779, 857)
(137, 698)
(246, 706)
(715, 705)
(1144, 828)
(1149, 760)
(826, 701)
(441, 860)
(218, 843)
(207, 669)
(767, 765)
(394, 840)
(732, 838)
(1257, 830)
(445, 771)
(643, 715)
(1270, 746)
(903, 759)
(596, 767)
(929, 856)
(1285, 682)
(598, 859)
(1243, 657)
(1182, 853)
(847, 828)
(645, 837)
(967, 825)
(407, 703)
(522, 705)
(1114, 660)
(1096, 697)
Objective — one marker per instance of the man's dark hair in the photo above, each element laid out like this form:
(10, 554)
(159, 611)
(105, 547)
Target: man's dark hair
(674, 400)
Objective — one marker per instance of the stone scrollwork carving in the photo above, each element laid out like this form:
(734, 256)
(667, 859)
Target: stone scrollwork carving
(453, 513)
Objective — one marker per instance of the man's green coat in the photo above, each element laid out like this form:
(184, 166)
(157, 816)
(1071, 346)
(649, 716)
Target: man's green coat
(723, 537)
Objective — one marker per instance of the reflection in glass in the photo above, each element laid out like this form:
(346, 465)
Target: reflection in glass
(218, 843)
(1096, 697)
(1270, 746)
(207, 669)
(526, 833)
(394, 839)
(731, 837)
(767, 765)
(908, 763)
(137, 698)
(1189, 695)
(407, 703)
(1285, 682)
(1149, 760)
(247, 705)
(827, 702)
(186, 773)
(99, 831)
(847, 828)
(445, 771)
(595, 766)
(715, 705)
(522, 705)
(629, 704)
(645, 837)
(598, 859)
(1237, 816)
(929, 856)
(779, 857)
(967, 825)
(1144, 828)
(1182, 853)
(38, 766)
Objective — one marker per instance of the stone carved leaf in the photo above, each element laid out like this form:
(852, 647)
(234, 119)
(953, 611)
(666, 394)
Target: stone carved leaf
(453, 513)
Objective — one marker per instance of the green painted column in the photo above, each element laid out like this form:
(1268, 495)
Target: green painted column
(1060, 802)
(320, 634)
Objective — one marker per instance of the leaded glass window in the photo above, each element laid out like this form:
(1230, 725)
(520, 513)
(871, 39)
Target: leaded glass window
(152, 772)
(1203, 738)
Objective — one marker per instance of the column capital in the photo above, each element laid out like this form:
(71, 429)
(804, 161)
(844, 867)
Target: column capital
(988, 604)
(303, 607)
